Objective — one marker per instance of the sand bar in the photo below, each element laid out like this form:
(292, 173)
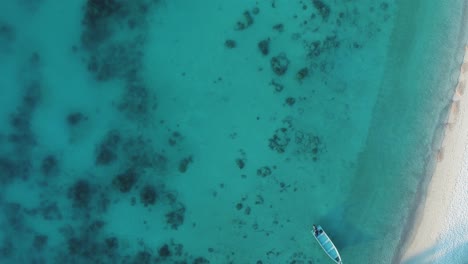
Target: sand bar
(440, 234)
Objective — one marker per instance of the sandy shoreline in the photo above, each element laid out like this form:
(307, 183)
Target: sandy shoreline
(438, 232)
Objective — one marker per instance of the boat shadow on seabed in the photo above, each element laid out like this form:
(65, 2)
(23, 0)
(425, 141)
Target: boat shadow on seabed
(334, 222)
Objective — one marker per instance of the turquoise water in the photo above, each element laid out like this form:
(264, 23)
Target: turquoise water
(180, 132)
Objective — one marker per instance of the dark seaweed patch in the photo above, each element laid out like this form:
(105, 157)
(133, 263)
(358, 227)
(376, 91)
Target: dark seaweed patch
(96, 21)
(39, 242)
(164, 251)
(255, 10)
(240, 163)
(290, 101)
(138, 102)
(279, 27)
(309, 144)
(148, 195)
(7, 33)
(264, 171)
(302, 74)
(14, 216)
(22, 135)
(201, 260)
(75, 245)
(95, 226)
(280, 140)
(9, 169)
(86, 245)
(124, 182)
(117, 60)
(317, 48)
(50, 211)
(246, 21)
(139, 153)
(175, 138)
(21, 119)
(264, 46)
(75, 118)
(142, 257)
(111, 244)
(230, 43)
(184, 163)
(49, 165)
(6, 248)
(33, 94)
(99, 10)
(279, 64)
(322, 8)
(277, 86)
(106, 152)
(80, 193)
(175, 218)
(105, 156)
(384, 6)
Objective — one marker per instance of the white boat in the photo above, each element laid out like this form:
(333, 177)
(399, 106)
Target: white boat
(327, 245)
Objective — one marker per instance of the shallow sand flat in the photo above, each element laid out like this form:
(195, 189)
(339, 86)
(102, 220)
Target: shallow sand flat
(441, 229)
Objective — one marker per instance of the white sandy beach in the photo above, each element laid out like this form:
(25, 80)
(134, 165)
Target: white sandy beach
(441, 229)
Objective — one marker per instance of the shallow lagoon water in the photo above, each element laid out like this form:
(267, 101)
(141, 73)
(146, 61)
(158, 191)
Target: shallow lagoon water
(171, 131)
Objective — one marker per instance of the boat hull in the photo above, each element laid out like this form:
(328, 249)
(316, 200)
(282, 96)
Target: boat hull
(327, 245)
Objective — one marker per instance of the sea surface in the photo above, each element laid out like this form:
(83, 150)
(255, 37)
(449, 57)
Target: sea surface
(157, 131)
